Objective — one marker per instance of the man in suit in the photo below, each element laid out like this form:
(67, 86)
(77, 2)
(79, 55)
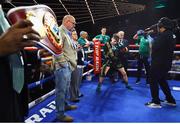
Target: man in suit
(63, 66)
(124, 52)
(13, 106)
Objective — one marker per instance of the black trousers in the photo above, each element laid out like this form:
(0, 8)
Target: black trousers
(76, 79)
(124, 61)
(158, 77)
(143, 60)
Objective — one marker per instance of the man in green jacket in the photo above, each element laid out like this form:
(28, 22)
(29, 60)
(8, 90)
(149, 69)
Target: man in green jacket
(144, 53)
(83, 41)
(103, 38)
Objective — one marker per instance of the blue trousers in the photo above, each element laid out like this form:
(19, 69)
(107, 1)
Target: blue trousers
(62, 80)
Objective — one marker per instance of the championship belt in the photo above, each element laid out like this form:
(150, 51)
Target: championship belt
(44, 22)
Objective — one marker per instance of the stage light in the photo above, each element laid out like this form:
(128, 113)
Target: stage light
(160, 4)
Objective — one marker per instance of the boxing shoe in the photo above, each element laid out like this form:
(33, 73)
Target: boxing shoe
(75, 100)
(129, 87)
(70, 107)
(138, 81)
(65, 118)
(98, 89)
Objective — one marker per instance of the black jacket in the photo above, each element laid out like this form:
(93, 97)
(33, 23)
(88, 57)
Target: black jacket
(13, 106)
(162, 50)
(6, 93)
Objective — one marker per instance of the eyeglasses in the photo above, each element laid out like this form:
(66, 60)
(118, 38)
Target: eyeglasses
(74, 23)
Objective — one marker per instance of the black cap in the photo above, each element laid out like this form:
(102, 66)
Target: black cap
(140, 32)
(166, 23)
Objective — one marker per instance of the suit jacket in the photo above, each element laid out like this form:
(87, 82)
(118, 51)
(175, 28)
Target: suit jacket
(14, 106)
(69, 51)
(124, 55)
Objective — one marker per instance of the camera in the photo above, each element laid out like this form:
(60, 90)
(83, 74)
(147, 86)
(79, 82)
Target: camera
(166, 23)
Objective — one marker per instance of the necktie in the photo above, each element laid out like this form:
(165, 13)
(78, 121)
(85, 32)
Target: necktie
(72, 42)
(14, 60)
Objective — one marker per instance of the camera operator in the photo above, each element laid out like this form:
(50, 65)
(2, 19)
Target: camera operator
(162, 55)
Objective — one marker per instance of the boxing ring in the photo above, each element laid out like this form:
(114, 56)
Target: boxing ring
(46, 113)
(42, 109)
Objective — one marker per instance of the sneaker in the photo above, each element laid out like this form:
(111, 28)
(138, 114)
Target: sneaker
(169, 103)
(113, 81)
(75, 100)
(80, 95)
(153, 105)
(138, 81)
(70, 107)
(98, 89)
(116, 79)
(65, 118)
(147, 84)
(129, 87)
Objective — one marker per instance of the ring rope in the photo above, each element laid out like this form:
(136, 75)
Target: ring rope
(42, 98)
(34, 84)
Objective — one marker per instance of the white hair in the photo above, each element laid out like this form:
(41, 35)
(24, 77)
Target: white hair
(82, 32)
(121, 32)
(67, 17)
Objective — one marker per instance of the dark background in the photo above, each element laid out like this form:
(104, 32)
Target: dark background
(129, 23)
(132, 22)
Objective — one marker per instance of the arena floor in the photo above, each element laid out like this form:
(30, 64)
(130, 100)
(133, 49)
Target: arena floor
(114, 104)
